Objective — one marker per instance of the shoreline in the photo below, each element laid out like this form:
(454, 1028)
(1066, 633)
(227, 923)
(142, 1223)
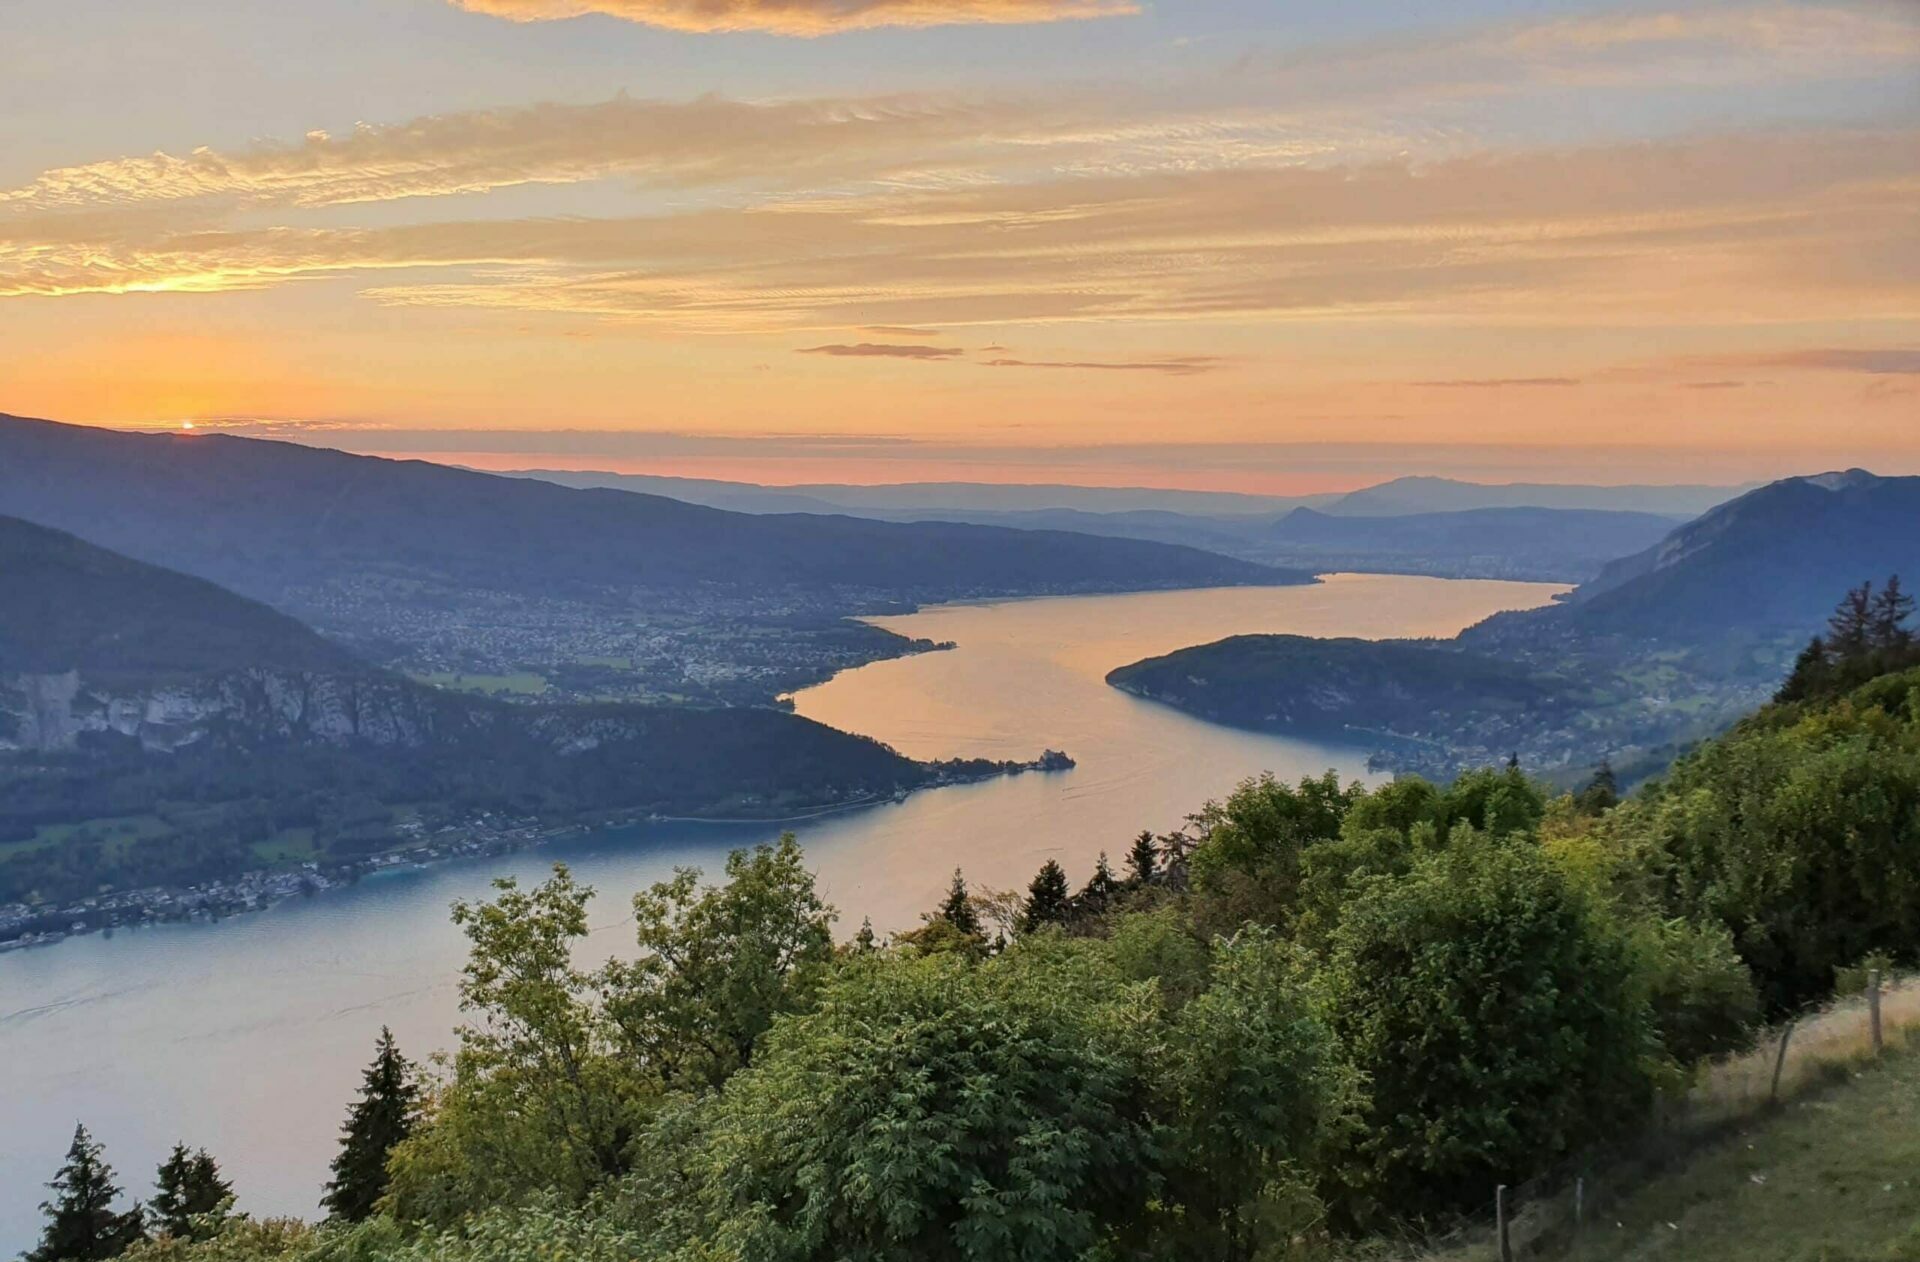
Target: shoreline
(262, 888)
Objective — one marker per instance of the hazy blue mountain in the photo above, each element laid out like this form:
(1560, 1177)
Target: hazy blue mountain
(1539, 543)
(1447, 495)
(263, 517)
(67, 605)
(1775, 559)
(908, 498)
(1447, 528)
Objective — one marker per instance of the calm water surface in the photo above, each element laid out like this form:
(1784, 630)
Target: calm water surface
(248, 1036)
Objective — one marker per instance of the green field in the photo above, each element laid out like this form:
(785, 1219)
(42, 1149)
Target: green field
(291, 845)
(525, 684)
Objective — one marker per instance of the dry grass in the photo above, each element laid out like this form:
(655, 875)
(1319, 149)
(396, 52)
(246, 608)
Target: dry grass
(1823, 1046)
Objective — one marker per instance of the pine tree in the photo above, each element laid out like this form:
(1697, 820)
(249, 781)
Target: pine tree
(1850, 630)
(188, 1186)
(382, 1117)
(957, 909)
(1097, 895)
(1810, 674)
(1046, 898)
(1143, 861)
(1891, 609)
(81, 1223)
(864, 942)
(1602, 793)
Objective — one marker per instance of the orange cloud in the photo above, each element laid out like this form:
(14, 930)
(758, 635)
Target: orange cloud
(1717, 228)
(1172, 366)
(883, 350)
(804, 17)
(1498, 383)
(703, 142)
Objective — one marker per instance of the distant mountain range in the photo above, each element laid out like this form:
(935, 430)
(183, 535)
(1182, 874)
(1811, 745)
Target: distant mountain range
(990, 500)
(1433, 526)
(1447, 495)
(926, 497)
(1554, 543)
(584, 594)
(263, 517)
(1663, 647)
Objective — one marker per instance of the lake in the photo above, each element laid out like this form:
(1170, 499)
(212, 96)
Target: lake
(248, 1036)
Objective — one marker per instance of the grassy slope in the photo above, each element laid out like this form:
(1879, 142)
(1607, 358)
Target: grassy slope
(1830, 1175)
(1833, 1176)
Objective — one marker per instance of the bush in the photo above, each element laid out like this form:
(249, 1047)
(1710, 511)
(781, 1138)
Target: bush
(1495, 1021)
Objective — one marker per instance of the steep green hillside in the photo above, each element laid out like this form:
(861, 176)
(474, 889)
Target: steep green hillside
(129, 691)
(1767, 562)
(1361, 689)
(65, 605)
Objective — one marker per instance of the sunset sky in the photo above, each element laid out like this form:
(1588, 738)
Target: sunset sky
(1274, 245)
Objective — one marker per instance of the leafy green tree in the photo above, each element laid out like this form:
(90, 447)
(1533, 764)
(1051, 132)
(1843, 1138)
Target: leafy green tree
(1495, 1021)
(1162, 946)
(1143, 861)
(1048, 900)
(1263, 825)
(82, 1224)
(927, 1110)
(718, 965)
(378, 1122)
(189, 1195)
(1799, 831)
(242, 1239)
(1254, 1092)
(1498, 802)
(544, 1098)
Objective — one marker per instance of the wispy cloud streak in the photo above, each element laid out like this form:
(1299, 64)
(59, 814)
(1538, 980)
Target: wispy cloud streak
(805, 17)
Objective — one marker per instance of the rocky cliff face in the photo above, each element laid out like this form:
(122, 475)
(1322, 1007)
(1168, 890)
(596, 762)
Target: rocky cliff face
(53, 712)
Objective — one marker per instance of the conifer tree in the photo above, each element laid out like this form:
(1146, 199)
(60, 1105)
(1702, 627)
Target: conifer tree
(1047, 898)
(1850, 630)
(1810, 673)
(957, 909)
(188, 1186)
(863, 942)
(382, 1117)
(1097, 895)
(1143, 861)
(1602, 793)
(1891, 609)
(82, 1224)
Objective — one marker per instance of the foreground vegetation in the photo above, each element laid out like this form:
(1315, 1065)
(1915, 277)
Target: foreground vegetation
(1319, 1013)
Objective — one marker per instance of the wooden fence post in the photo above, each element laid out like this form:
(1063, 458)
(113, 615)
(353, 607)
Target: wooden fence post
(1873, 1007)
(1780, 1063)
(1500, 1220)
